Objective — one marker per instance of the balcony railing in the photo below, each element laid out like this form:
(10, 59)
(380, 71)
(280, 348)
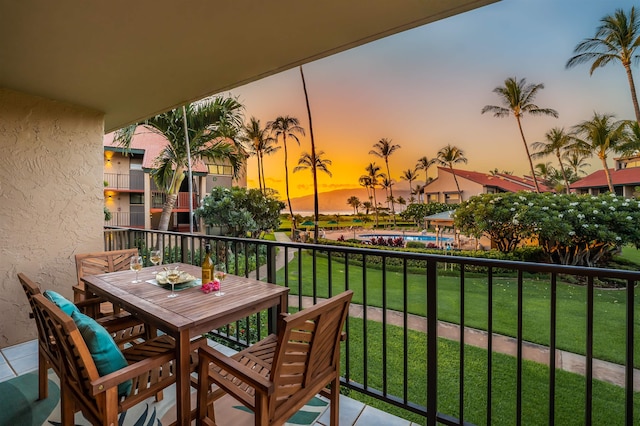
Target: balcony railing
(133, 181)
(126, 219)
(158, 199)
(394, 354)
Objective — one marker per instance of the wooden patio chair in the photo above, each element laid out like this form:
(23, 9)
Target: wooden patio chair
(123, 329)
(100, 263)
(275, 377)
(150, 369)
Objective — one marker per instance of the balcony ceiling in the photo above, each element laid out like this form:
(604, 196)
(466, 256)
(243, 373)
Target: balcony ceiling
(134, 59)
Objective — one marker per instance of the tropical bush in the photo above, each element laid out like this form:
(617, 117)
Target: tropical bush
(240, 211)
(417, 212)
(571, 229)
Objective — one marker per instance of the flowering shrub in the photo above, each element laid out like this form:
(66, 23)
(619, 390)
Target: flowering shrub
(572, 229)
(211, 286)
(388, 242)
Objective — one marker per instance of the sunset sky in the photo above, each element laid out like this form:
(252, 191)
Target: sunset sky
(425, 89)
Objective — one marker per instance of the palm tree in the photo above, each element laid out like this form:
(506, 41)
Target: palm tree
(365, 181)
(373, 173)
(286, 127)
(423, 164)
(616, 39)
(557, 143)
(354, 202)
(600, 136)
(409, 175)
(383, 149)
(386, 184)
(306, 162)
(517, 98)
(209, 121)
(261, 145)
(576, 161)
(447, 157)
(367, 206)
(547, 173)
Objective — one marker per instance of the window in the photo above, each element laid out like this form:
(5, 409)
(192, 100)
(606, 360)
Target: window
(218, 169)
(136, 198)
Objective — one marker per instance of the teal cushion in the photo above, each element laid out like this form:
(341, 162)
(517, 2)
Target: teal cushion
(104, 351)
(61, 302)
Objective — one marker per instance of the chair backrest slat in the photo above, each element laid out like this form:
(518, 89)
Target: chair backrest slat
(103, 262)
(308, 350)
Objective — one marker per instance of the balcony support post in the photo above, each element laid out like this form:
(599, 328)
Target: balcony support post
(432, 343)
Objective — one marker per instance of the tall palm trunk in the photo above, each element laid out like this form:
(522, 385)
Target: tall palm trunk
(393, 207)
(286, 183)
(375, 204)
(632, 86)
(607, 173)
(526, 148)
(313, 162)
(455, 178)
(172, 197)
(564, 173)
(259, 177)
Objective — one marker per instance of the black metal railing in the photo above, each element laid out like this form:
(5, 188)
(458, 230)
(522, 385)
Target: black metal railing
(387, 356)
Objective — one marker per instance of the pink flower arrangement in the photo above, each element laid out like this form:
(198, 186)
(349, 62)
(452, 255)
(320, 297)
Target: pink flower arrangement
(211, 286)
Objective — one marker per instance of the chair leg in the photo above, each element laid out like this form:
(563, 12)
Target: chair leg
(67, 409)
(335, 402)
(43, 379)
(159, 396)
(261, 411)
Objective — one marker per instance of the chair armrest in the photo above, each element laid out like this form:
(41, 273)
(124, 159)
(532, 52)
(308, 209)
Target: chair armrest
(116, 323)
(258, 382)
(129, 372)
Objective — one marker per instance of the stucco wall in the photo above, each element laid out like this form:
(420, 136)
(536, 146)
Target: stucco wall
(51, 198)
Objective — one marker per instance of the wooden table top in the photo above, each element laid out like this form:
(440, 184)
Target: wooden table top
(191, 309)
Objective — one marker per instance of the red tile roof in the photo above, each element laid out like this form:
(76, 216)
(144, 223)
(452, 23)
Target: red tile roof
(502, 181)
(630, 176)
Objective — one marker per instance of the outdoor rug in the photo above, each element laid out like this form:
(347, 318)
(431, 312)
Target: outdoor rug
(19, 406)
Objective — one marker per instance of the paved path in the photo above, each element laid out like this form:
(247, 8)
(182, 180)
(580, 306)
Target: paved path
(567, 361)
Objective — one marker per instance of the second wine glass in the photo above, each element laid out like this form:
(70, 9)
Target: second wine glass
(135, 265)
(173, 275)
(220, 272)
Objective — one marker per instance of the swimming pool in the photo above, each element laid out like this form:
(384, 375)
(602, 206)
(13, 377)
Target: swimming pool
(406, 237)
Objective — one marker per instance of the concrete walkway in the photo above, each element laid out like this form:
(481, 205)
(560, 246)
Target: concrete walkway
(567, 361)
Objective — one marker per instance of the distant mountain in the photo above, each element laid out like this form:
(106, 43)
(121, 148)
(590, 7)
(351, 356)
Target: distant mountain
(336, 201)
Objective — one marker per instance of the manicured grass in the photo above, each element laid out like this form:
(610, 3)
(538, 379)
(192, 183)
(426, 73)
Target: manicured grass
(571, 326)
(608, 400)
(630, 253)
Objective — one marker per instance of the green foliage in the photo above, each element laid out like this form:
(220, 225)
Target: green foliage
(571, 229)
(417, 212)
(415, 244)
(240, 211)
(107, 214)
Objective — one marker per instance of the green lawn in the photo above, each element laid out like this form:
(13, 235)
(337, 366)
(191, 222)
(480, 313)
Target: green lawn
(609, 305)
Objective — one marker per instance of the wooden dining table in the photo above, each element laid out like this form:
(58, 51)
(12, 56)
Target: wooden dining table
(188, 315)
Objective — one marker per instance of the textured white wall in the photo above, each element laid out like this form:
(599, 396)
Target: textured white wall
(51, 200)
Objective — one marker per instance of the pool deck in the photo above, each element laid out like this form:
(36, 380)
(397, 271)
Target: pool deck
(358, 232)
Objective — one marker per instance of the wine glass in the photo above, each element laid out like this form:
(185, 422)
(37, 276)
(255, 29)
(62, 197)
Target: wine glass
(155, 257)
(220, 272)
(173, 275)
(135, 265)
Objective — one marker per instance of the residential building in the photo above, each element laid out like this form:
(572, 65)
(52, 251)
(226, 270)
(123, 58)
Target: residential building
(131, 195)
(625, 177)
(443, 188)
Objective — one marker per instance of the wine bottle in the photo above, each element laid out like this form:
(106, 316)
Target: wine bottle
(207, 266)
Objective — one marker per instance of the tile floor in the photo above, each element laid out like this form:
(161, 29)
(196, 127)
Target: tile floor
(22, 358)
